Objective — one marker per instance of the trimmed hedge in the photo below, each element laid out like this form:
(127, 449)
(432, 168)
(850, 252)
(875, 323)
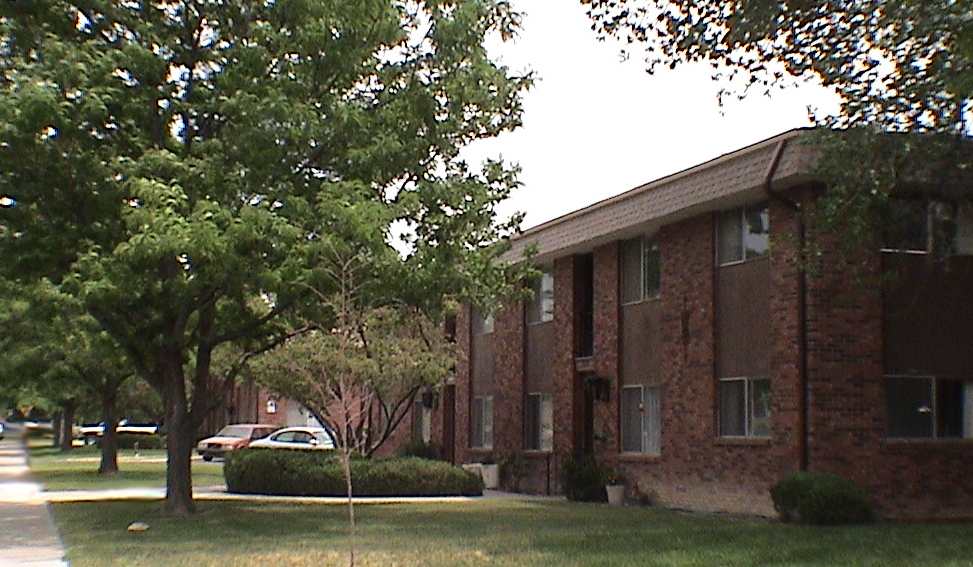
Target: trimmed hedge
(820, 499)
(318, 473)
(421, 449)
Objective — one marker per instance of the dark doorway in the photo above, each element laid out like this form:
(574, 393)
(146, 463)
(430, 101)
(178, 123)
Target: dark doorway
(449, 423)
(585, 292)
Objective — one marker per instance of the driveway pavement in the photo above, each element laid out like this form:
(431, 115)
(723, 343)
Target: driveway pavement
(28, 537)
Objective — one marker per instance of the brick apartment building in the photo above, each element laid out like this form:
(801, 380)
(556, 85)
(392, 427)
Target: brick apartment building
(673, 336)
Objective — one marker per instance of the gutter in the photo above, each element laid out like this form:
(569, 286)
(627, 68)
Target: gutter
(801, 305)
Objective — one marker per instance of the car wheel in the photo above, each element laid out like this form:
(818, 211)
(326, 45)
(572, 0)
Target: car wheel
(207, 458)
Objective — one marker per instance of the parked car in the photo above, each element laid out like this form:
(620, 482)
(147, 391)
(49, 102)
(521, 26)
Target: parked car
(232, 437)
(1, 430)
(90, 432)
(297, 438)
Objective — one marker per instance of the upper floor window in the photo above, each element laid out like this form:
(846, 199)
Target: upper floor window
(539, 422)
(641, 269)
(482, 324)
(917, 226)
(743, 234)
(541, 308)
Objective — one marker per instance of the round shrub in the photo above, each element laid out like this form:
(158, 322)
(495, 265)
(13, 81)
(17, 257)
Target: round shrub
(820, 499)
(319, 473)
(584, 479)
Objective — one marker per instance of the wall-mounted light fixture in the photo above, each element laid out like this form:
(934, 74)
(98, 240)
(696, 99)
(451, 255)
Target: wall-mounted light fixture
(271, 406)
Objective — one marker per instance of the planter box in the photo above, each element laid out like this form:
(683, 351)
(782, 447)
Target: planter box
(489, 473)
(616, 494)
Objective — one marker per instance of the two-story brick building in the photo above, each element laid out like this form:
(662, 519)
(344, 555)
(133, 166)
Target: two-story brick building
(674, 335)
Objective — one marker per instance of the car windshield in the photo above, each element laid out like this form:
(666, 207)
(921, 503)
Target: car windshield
(234, 431)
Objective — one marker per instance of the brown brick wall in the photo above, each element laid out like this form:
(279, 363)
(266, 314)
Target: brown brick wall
(697, 469)
(909, 479)
(508, 402)
(606, 351)
(567, 399)
(463, 390)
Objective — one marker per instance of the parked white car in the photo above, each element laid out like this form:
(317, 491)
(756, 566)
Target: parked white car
(296, 438)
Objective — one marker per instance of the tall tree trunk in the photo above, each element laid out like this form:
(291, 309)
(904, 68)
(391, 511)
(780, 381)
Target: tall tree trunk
(56, 424)
(67, 425)
(109, 439)
(180, 437)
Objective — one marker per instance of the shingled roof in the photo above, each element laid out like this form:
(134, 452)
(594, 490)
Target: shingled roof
(724, 182)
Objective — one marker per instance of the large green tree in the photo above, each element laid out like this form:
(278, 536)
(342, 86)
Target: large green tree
(899, 66)
(178, 165)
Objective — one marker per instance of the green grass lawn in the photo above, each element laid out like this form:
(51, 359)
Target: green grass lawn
(78, 469)
(487, 532)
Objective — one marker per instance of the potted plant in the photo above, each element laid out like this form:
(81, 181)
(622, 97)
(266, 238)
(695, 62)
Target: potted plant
(615, 488)
(490, 472)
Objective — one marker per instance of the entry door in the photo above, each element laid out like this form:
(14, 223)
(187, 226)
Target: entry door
(449, 423)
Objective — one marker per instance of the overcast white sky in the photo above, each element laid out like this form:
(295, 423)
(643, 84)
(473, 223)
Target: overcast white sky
(595, 126)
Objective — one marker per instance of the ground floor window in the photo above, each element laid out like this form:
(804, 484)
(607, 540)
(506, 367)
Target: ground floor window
(928, 407)
(421, 422)
(539, 421)
(744, 407)
(482, 426)
(641, 420)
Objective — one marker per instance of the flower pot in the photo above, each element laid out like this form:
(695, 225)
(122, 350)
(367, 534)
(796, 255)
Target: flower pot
(616, 494)
(490, 475)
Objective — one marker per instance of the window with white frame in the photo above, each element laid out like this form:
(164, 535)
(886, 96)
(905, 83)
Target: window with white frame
(482, 423)
(482, 323)
(918, 226)
(641, 266)
(421, 422)
(744, 407)
(743, 234)
(541, 307)
(927, 407)
(641, 420)
(539, 422)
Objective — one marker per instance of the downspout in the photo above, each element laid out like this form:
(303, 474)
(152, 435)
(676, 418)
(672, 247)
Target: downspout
(801, 304)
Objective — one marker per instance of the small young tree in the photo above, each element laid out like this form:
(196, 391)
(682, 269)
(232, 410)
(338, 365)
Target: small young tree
(360, 376)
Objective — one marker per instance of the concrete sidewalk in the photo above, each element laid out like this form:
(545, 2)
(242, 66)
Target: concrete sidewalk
(220, 493)
(27, 534)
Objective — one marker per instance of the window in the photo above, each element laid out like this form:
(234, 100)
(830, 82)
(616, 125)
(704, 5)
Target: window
(744, 407)
(541, 308)
(641, 269)
(924, 407)
(482, 324)
(743, 234)
(482, 437)
(641, 420)
(539, 422)
(906, 227)
(916, 226)
(421, 422)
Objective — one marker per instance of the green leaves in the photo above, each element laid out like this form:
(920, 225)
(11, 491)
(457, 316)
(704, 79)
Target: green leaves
(189, 171)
